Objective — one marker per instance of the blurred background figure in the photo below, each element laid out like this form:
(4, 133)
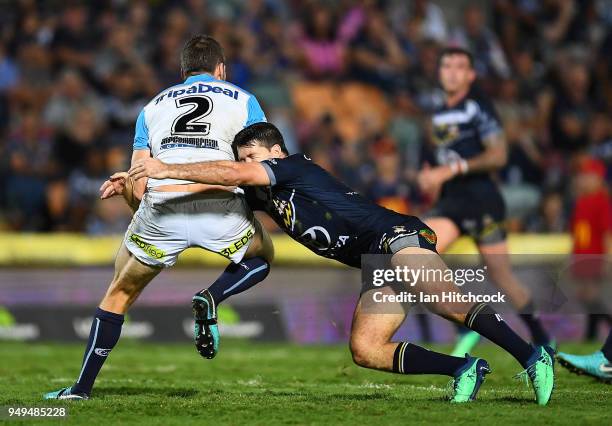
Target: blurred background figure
(337, 77)
(592, 234)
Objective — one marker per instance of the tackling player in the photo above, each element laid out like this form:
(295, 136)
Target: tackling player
(192, 121)
(597, 364)
(470, 144)
(333, 221)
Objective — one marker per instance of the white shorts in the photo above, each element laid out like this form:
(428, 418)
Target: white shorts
(166, 223)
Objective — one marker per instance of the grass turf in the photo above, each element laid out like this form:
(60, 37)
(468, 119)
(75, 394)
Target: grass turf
(281, 384)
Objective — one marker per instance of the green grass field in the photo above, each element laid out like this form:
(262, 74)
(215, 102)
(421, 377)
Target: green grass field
(281, 384)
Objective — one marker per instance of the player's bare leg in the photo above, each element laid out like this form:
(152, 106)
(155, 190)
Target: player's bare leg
(411, 359)
(499, 270)
(371, 347)
(236, 278)
(130, 278)
(371, 335)
(480, 317)
(447, 233)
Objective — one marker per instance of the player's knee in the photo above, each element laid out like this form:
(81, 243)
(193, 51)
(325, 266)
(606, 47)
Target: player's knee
(362, 352)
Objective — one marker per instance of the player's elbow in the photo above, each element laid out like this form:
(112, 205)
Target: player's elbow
(244, 174)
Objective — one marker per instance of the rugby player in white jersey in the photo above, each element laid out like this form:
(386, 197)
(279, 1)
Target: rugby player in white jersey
(192, 121)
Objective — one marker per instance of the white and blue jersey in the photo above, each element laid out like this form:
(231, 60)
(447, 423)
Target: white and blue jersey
(195, 121)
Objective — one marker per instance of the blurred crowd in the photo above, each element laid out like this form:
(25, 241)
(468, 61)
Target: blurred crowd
(350, 82)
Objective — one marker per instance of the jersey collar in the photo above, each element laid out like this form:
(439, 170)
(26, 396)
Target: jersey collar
(200, 77)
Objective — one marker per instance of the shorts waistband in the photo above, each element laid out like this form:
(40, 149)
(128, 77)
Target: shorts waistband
(189, 196)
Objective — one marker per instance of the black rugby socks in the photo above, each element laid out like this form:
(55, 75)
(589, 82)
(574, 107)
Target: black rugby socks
(413, 359)
(533, 322)
(484, 320)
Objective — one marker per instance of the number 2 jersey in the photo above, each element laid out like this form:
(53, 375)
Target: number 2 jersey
(329, 218)
(195, 121)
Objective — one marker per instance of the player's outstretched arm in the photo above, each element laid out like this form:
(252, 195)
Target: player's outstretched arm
(227, 173)
(121, 183)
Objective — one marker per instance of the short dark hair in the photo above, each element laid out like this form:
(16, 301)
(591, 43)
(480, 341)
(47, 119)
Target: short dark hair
(201, 53)
(265, 134)
(455, 50)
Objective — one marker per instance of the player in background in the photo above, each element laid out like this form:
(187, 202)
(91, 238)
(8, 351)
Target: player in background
(334, 221)
(597, 364)
(192, 121)
(470, 145)
(591, 227)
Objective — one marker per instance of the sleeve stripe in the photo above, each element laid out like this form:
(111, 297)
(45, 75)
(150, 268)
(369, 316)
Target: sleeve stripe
(270, 173)
(141, 134)
(254, 112)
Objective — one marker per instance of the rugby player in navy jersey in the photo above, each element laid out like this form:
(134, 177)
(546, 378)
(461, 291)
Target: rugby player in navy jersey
(469, 145)
(336, 222)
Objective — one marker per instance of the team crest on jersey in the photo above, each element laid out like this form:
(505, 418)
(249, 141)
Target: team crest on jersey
(445, 133)
(285, 211)
(429, 235)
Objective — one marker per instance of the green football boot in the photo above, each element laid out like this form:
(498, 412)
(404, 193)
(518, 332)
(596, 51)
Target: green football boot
(541, 372)
(468, 379)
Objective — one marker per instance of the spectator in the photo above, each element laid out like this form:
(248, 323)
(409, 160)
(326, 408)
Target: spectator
(571, 109)
(592, 234)
(321, 49)
(74, 41)
(489, 58)
(376, 54)
(30, 165)
(71, 96)
(551, 217)
(84, 70)
(388, 189)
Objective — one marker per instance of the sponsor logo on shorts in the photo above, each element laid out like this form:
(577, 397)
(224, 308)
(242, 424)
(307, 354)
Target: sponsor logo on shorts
(429, 235)
(148, 248)
(238, 244)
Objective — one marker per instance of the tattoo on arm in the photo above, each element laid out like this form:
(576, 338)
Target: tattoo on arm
(494, 156)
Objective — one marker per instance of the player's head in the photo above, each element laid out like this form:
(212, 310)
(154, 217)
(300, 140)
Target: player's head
(203, 54)
(258, 142)
(456, 69)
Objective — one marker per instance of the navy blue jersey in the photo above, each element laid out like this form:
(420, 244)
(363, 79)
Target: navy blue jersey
(459, 132)
(326, 216)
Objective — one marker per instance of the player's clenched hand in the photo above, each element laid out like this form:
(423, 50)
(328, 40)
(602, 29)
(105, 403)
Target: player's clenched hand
(149, 167)
(115, 185)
